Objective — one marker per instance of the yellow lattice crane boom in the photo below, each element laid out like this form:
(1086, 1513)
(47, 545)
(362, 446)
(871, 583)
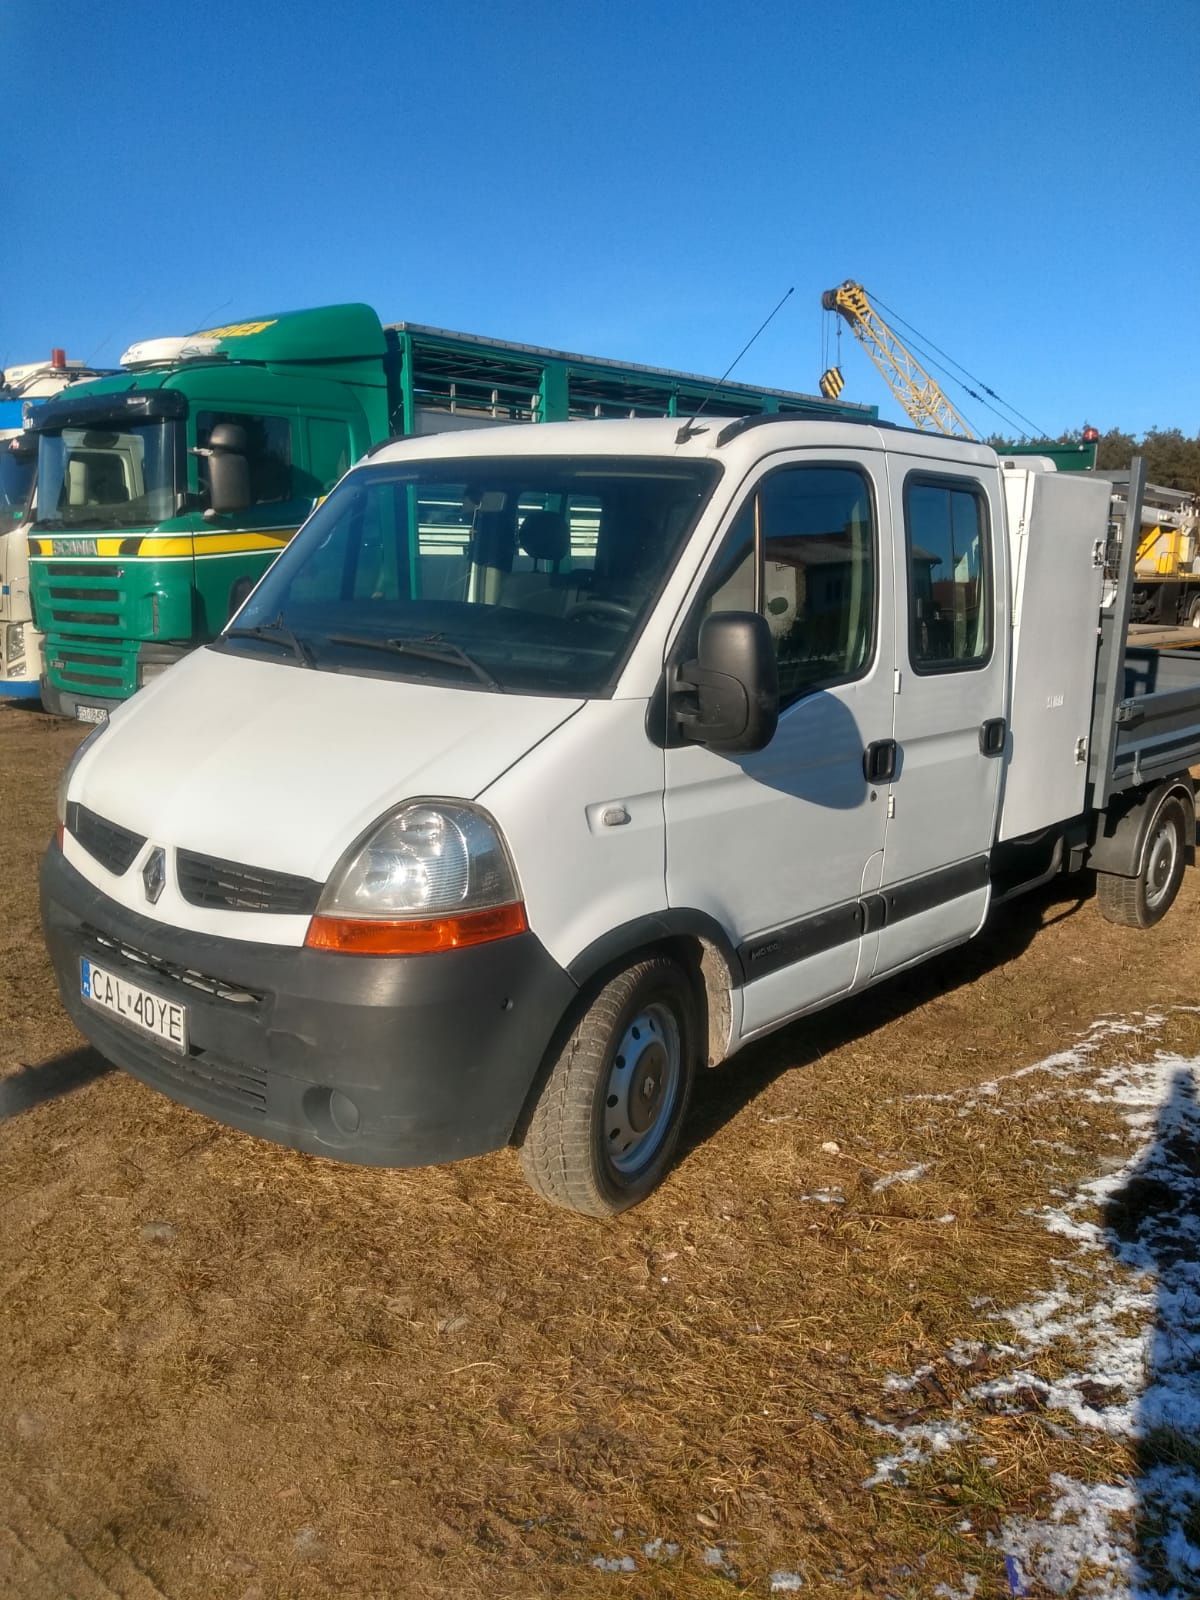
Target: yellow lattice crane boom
(915, 388)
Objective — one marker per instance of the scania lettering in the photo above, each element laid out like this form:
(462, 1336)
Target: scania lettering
(165, 492)
(547, 767)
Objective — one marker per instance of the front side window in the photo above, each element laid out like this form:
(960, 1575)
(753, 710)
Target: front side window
(948, 580)
(802, 552)
(268, 453)
(526, 573)
(16, 480)
(117, 474)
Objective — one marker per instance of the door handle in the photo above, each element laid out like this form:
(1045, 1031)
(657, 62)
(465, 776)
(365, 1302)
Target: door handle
(993, 735)
(879, 761)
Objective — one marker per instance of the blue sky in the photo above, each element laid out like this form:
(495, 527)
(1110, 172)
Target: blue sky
(631, 178)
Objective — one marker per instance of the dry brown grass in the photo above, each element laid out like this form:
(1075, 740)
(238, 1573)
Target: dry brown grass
(319, 1380)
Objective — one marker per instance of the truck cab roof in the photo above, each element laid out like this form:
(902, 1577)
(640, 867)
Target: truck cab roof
(731, 442)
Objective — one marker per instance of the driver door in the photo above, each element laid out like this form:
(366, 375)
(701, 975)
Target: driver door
(776, 845)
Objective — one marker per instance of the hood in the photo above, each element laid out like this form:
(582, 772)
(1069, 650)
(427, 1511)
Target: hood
(281, 767)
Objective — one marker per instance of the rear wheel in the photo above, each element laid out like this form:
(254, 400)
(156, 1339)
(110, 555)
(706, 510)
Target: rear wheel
(606, 1123)
(1142, 901)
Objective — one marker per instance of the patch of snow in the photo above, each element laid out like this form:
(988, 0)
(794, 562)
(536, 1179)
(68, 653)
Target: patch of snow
(1128, 1301)
(909, 1175)
(919, 1441)
(660, 1550)
(614, 1563)
(714, 1556)
(968, 1591)
(786, 1582)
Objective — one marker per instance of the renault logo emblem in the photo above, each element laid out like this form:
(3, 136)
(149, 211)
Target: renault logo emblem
(154, 874)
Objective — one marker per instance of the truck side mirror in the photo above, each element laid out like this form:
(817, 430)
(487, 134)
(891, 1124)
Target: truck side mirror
(736, 684)
(228, 469)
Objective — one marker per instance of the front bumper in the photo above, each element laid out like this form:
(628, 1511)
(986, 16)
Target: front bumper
(388, 1061)
(19, 689)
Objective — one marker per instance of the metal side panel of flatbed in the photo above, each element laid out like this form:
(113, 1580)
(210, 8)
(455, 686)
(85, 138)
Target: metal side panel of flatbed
(1146, 710)
(1156, 730)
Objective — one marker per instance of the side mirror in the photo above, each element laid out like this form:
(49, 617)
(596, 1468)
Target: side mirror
(228, 469)
(736, 684)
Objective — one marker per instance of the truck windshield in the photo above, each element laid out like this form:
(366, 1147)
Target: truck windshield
(518, 573)
(16, 480)
(121, 475)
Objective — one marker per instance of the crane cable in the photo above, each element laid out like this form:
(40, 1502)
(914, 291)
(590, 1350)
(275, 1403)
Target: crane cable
(1039, 433)
(836, 318)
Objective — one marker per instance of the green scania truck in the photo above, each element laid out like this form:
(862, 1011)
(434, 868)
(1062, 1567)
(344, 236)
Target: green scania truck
(166, 490)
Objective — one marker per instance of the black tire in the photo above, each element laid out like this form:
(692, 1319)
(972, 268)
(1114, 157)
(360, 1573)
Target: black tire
(1142, 901)
(604, 1128)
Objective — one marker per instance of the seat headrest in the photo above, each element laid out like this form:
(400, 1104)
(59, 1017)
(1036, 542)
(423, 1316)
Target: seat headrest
(545, 536)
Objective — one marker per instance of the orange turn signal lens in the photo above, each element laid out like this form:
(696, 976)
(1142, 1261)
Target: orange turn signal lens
(355, 936)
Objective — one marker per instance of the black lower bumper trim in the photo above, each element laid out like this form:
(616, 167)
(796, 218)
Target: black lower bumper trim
(387, 1061)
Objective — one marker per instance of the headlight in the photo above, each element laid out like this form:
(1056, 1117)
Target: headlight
(64, 783)
(433, 875)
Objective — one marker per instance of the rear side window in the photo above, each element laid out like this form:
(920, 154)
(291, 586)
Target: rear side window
(268, 451)
(815, 582)
(949, 577)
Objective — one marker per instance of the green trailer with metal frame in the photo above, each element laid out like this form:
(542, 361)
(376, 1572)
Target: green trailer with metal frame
(130, 563)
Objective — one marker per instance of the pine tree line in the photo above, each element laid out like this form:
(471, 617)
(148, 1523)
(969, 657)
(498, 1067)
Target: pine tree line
(1172, 459)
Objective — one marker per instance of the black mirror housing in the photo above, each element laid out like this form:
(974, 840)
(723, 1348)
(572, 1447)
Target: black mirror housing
(736, 682)
(228, 469)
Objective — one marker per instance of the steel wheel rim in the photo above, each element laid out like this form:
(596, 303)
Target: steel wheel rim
(1160, 863)
(642, 1090)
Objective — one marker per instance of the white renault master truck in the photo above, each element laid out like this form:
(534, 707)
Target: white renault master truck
(547, 765)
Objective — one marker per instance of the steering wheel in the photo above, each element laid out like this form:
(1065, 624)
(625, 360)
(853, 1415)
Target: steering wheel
(601, 608)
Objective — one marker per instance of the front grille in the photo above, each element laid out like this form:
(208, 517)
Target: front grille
(69, 662)
(85, 569)
(114, 847)
(209, 881)
(91, 619)
(222, 1085)
(139, 965)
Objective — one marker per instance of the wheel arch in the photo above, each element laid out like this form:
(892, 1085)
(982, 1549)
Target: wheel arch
(697, 941)
(1120, 846)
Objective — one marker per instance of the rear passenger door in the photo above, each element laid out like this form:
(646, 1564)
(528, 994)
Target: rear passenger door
(952, 673)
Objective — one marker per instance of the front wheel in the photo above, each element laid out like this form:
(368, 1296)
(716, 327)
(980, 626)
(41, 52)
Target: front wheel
(606, 1123)
(1142, 901)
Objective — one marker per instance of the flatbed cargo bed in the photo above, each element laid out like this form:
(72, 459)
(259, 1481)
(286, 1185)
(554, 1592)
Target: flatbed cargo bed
(1146, 710)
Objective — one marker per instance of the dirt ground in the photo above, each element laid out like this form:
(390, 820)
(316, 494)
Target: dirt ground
(230, 1370)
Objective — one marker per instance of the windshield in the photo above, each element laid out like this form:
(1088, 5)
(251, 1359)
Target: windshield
(524, 573)
(16, 480)
(121, 475)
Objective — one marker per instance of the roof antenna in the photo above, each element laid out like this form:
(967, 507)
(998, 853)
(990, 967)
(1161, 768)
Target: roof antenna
(689, 431)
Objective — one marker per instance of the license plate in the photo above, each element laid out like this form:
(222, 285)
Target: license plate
(91, 714)
(137, 1007)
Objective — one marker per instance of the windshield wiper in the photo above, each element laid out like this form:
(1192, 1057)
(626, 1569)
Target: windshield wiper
(431, 647)
(78, 524)
(277, 631)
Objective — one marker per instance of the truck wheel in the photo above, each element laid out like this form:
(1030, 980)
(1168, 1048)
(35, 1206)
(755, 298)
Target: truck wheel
(605, 1125)
(1192, 614)
(1142, 901)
